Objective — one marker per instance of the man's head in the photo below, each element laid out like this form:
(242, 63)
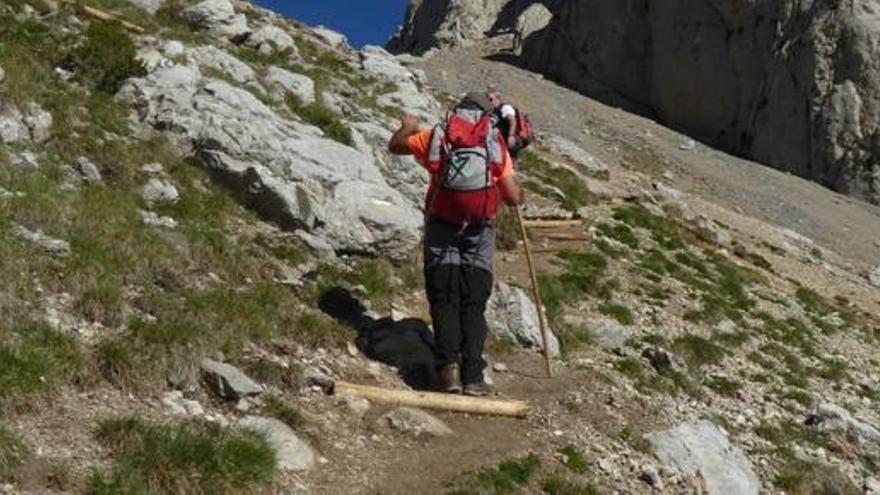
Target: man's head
(494, 96)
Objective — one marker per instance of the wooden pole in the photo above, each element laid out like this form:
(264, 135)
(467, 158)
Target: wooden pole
(544, 330)
(433, 400)
(104, 16)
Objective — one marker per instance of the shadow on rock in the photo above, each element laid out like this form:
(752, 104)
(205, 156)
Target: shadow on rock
(406, 344)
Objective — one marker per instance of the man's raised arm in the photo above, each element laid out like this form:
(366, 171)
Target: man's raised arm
(399, 142)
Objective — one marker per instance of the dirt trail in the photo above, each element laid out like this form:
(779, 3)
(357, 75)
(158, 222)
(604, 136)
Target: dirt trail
(839, 223)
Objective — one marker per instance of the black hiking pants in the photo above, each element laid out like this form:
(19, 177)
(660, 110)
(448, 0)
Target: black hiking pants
(458, 282)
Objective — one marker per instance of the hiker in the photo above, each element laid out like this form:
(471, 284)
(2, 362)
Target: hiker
(513, 123)
(471, 171)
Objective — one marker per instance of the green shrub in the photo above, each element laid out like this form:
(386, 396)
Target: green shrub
(698, 351)
(186, 457)
(555, 485)
(574, 459)
(321, 116)
(107, 57)
(281, 410)
(617, 311)
(507, 477)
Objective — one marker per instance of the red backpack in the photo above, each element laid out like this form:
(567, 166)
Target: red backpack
(465, 157)
(524, 129)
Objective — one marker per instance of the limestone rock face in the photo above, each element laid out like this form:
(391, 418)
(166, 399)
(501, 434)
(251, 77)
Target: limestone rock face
(286, 171)
(440, 23)
(790, 84)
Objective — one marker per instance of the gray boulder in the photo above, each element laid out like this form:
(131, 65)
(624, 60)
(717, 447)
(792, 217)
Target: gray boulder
(227, 381)
(709, 231)
(532, 20)
(55, 247)
(831, 418)
(378, 62)
(701, 448)
(159, 190)
(608, 333)
(413, 422)
(220, 60)
(218, 17)
(269, 39)
(512, 314)
(286, 171)
(586, 161)
(292, 453)
(12, 129)
(281, 82)
(331, 37)
(401, 172)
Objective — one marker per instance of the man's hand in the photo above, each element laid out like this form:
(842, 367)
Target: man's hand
(398, 144)
(409, 121)
(511, 142)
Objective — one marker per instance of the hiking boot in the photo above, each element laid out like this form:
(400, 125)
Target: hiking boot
(479, 389)
(449, 379)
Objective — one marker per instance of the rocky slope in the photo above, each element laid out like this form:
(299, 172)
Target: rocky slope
(184, 212)
(789, 84)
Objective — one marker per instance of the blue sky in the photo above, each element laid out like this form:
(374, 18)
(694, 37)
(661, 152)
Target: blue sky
(362, 21)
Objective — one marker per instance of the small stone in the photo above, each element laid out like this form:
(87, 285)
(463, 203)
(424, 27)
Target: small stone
(414, 422)
(652, 478)
(88, 170)
(499, 367)
(25, 159)
(172, 401)
(243, 405)
(726, 327)
(687, 144)
(55, 247)
(228, 382)
(357, 406)
(291, 452)
(173, 48)
(313, 377)
(2, 74)
(153, 168)
(351, 349)
(153, 219)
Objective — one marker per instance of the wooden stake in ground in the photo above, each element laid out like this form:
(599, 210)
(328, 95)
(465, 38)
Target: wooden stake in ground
(545, 338)
(433, 400)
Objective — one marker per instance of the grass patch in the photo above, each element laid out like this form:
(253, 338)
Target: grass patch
(799, 477)
(797, 374)
(507, 477)
(186, 457)
(555, 485)
(617, 311)
(802, 397)
(583, 274)
(724, 386)
(13, 453)
(698, 351)
(574, 192)
(574, 459)
(821, 309)
(620, 233)
(572, 337)
(34, 362)
(281, 410)
(321, 116)
(662, 231)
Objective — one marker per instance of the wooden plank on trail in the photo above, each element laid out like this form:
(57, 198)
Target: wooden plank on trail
(433, 400)
(552, 224)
